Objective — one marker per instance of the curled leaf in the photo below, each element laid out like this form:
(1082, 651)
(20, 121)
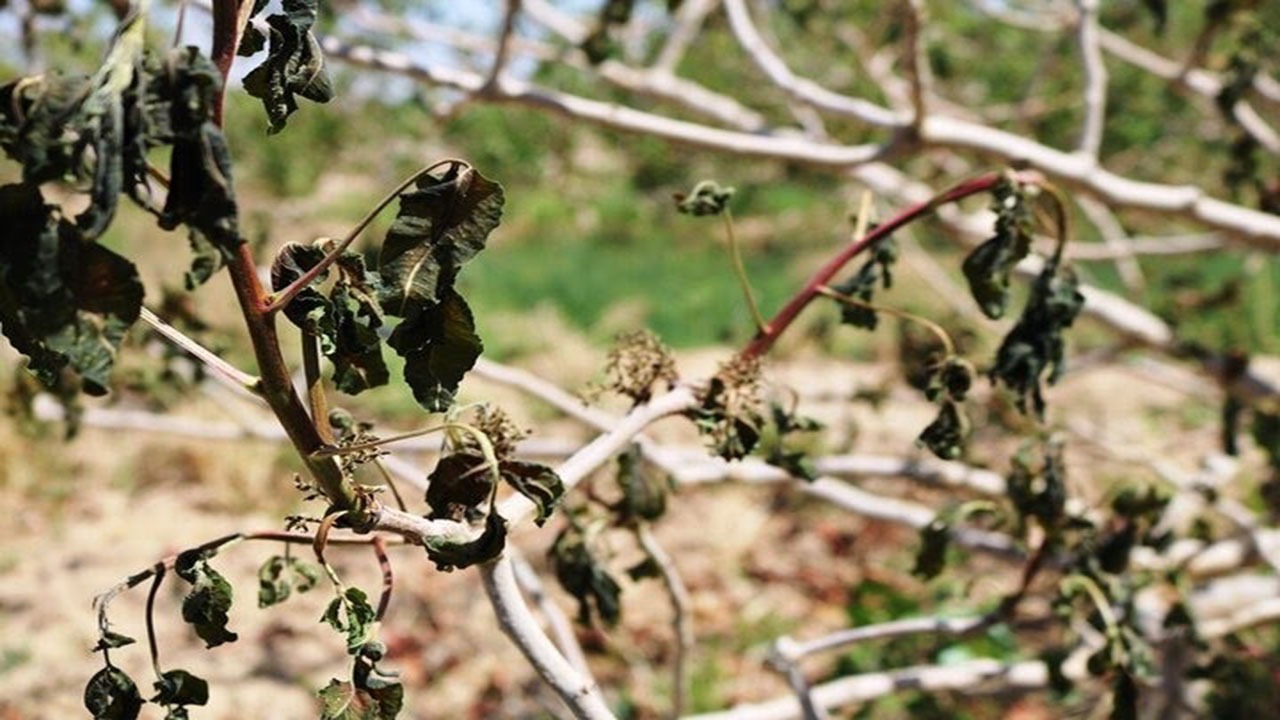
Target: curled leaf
(205, 608)
(989, 266)
(706, 198)
(112, 695)
(449, 554)
(459, 487)
(582, 576)
(535, 481)
(351, 613)
(946, 434)
(1035, 346)
(294, 65)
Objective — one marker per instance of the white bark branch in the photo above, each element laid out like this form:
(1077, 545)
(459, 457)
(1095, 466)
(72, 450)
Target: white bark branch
(1095, 79)
(581, 694)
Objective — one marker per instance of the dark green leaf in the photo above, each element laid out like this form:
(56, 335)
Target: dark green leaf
(644, 495)
(279, 576)
(448, 554)
(459, 487)
(112, 695)
(200, 189)
(294, 65)
(439, 345)
(344, 701)
(1039, 489)
(64, 301)
(351, 613)
(442, 224)
(1124, 699)
(931, 558)
(309, 309)
(877, 271)
(582, 576)
(209, 601)
(537, 482)
(179, 687)
(357, 359)
(946, 434)
(112, 640)
(1035, 346)
(646, 569)
(989, 266)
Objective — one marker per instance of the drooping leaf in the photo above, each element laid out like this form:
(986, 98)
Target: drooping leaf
(209, 601)
(294, 65)
(309, 309)
(64, 301)
(442, 223)
(989, 266)
(1035, 346)
(582, 576)
(877, 271)
(779, 449)
(952, 379)
(200, 195)
(449, 554)
(351, 613)
(439, 345)
(179, 687)
(931, 558)
(537, 482)
(112, 695)
(112, 640)
(1038, 488)
(644, 495)
(357, 359)
(459, 487)
(279, 576)
(344, 701)
(945, 436)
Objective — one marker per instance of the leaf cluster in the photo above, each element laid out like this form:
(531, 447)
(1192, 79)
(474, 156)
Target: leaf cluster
(581, 573)
(65, 300)
(876, 272)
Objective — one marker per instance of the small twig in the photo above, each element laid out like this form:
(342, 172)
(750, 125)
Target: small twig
(809, 710)
(681, 615)
(948, 346)
(388, 580)
(206, 356)
(791, 310)
(391, 483)
(915, 60)
(504, 46)
(152, 645)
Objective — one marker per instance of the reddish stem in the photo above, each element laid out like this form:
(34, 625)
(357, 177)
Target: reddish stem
(765, 339)
(275, 382)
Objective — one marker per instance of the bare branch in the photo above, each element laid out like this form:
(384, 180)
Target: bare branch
(207, 357)
(798, 88)
(681, 614)
(580, 693)
(688, 23)
(1095, 79)
(915, 61)
(504, 46)
(557, 622)
(1116, 239)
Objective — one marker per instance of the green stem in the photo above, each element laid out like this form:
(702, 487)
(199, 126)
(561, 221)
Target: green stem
(315, 387)
(933, 327)
(740, 270)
